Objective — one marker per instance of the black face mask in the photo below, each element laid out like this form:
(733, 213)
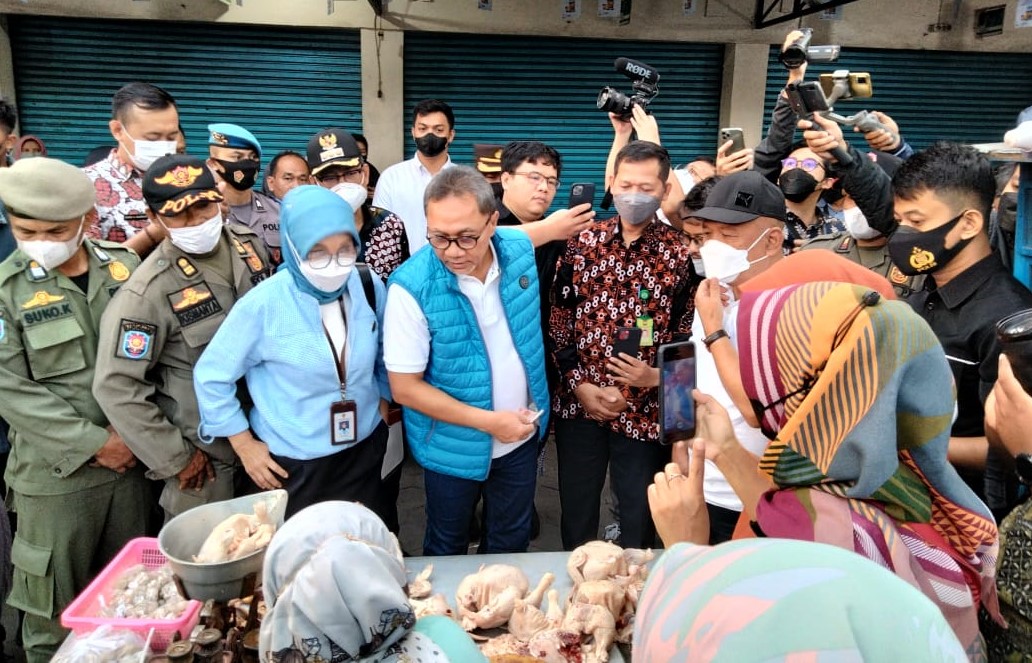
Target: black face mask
(915, 252)
(431, 144)
(834, 193)
(240, 175)
(1007, 212)
(797, 185)
(496, 188)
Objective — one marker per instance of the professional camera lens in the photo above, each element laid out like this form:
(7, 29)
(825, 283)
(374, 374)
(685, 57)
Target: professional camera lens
(615, 102)
(794, 55)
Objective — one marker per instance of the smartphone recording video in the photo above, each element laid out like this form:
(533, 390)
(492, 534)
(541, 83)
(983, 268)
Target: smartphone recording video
(676, 382)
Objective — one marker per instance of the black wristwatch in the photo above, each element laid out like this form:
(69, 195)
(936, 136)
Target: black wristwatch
(1023, 468)
(714, 337)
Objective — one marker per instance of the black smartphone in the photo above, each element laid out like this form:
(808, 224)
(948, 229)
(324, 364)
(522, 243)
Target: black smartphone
(676, 382)
(735, 135)
(580, 193)
(627, 341)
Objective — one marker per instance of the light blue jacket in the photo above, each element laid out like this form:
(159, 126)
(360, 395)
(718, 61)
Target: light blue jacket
(459, 365)
(274, 338)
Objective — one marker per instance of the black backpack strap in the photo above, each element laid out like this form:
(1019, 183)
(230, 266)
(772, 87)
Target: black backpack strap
(366, 275)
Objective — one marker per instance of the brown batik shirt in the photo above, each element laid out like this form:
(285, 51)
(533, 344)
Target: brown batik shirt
(601, 285)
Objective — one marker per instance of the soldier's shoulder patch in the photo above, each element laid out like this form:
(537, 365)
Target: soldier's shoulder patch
(118, 271)
(188, 269)
(135, 339)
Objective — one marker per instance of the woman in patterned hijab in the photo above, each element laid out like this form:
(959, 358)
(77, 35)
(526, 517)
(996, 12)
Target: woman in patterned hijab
(857, 397)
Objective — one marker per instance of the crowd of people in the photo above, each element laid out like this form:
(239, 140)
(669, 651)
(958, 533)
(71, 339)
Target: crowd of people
(176, 330)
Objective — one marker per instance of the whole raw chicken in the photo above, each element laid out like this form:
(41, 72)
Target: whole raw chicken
(556, 646)
(487, 598)
(434, 605)
(596, 560)
(593, 621)
(610, 594)
(237, 536)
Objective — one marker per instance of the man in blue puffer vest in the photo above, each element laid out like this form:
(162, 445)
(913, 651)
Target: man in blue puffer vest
(465, 357)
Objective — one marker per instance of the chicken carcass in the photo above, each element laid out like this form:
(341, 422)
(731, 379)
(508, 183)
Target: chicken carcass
(595, 622)
(638, 562)
(610, 594)
(420, 587)
(596, 560)
(554, 616)
(487, 598)
(434, 605)
(237, 536)
(526, 620)
(556, 646)
(505, 644)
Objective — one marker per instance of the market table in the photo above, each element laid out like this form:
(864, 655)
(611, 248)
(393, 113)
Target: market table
(449, 572)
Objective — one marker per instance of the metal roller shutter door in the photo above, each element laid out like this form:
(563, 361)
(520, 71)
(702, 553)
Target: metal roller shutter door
(512, 88)
(283, 85)
(932, 95)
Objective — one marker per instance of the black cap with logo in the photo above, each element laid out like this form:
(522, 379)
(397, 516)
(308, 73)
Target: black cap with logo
(177, 181)
(742, 197)
(333, 147)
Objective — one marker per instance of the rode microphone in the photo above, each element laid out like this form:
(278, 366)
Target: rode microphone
(636, 71)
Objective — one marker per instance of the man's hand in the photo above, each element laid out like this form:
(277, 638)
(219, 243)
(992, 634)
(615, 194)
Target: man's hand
(1008, 412)
(199, 469)
(508, 426)
(714, 426)
(798, 74)
(632, 371)
(600, 404)
(735, 162)
(254, 454)
(621, 127)
(645, 125)
(822, 136)
(710, 300)
(114, 455)
(568, 223)
(677, 503)
(885, 140)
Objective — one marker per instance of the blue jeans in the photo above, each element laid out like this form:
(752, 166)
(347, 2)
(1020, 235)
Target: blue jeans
(508, 495)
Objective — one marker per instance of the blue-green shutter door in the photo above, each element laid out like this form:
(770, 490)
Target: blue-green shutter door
(282, 85)
(932, 95)
(538, 88)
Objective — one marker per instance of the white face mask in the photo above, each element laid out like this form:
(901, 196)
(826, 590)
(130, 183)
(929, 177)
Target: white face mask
(199, 239)
(856, 224)
(330, 278)
(353, 194)
(50, 254)
(700, 266)
(146, 152)
(726, 263)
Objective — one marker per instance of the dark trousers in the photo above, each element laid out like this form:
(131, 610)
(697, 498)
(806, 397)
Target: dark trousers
(585, 449)
(352, 475)
(508, 494)
(722, 523)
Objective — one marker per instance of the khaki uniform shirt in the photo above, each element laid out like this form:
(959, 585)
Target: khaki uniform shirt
(48, 350)
(875, 259)
(151, 337)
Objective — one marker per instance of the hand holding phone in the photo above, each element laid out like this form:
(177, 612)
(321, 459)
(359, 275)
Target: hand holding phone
(676, 383)
(735, 135)
(627, 341)
(580, 193)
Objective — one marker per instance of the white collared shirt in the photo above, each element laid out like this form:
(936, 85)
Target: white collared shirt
(406, 341)
(400, 189)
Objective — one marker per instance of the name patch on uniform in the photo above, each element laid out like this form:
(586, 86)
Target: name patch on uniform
(46, 314)
(136, 339)
(42, 298)
(194, 304)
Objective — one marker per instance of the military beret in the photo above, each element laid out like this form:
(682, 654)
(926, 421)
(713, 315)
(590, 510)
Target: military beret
(46, 189)
(177, 181)
(488, 157)
(223, 134)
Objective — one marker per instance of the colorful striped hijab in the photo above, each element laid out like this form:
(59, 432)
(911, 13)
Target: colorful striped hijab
(858, 397)
(777, 600)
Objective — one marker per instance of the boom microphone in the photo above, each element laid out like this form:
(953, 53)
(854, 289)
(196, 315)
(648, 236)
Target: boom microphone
(636, 71)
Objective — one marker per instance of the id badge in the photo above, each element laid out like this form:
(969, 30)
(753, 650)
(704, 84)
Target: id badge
(644, 323)
(343, 422)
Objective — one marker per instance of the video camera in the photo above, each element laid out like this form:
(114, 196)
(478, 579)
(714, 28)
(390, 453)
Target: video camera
(799, 52)
(812, 97)
(645, 82)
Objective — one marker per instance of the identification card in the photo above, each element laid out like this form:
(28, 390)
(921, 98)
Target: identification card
(644, 323)
(343, 422)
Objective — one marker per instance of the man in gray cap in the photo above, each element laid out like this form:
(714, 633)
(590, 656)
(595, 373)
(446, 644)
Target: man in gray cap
(73, 482)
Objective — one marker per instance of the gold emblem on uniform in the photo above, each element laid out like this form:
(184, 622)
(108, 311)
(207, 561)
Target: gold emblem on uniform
(219, 138)
(239, 247)
(897, 277)
(186, 267)
(191, 296)
(328, 141)
(180, 176)
(119, 272)
(252, 259)
(922, 260)
(42, 298)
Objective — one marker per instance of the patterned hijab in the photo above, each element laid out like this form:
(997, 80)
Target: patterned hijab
(778, 600)
(335, 591)
(858, 398)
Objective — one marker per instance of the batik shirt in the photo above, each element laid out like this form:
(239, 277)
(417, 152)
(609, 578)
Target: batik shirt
(384, 243)
(601, 285)
(120, 210)
(824, 223)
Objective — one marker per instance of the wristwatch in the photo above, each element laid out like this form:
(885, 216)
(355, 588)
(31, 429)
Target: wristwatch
(716, 336)
(1023, 468)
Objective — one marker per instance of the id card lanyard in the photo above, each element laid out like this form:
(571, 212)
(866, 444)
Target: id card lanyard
(343, 413)
(644, 321)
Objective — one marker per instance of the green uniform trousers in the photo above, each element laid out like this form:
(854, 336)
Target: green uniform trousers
(62, 542)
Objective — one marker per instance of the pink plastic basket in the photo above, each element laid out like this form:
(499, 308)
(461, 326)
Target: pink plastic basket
(81, 615)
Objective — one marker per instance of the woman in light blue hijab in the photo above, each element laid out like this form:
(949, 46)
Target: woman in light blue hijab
(309, 343)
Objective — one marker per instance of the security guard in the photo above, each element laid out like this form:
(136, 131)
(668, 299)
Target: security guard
(872, 253)
(235, 156)
(73, 481)
(158, 325)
